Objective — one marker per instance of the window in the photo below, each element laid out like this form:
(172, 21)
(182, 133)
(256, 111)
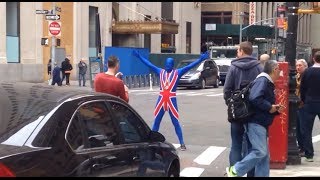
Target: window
(132, 128)
(217, 17)
(92, 31)
(97, 127)
(188, 37)
(13, 32)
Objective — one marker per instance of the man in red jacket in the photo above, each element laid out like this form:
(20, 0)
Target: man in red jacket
(108, 83)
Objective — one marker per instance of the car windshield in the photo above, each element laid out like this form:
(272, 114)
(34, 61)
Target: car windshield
(224, 53)
(185, 63)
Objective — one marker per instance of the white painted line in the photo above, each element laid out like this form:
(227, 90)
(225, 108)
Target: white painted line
(146, 93)
(195, 94)
(176, 145)
(191, 172)
(209, 155)
(220, 94)
(315, 138)
(180, 93)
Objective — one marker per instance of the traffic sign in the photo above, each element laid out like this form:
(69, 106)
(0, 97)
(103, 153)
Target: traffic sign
(54, 28)
(42, 11)
(53, 17)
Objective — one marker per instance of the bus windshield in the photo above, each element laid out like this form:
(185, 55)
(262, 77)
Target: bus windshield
(224, 53)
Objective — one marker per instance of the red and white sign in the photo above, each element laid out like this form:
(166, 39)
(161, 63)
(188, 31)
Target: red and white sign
(252, 12)
(54, 28)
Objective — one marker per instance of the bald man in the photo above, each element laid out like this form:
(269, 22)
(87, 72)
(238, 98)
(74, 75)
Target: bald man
(264, 58)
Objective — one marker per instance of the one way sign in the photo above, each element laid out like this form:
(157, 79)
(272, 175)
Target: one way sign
(53, 17)
(42, 11)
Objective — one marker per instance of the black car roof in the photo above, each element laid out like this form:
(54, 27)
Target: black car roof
(22, 102)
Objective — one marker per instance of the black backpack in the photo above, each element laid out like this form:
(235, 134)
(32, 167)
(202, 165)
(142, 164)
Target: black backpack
(239, 107)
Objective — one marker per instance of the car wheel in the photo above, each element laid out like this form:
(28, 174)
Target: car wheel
(216, 84)
(173, 171)
(203, 84)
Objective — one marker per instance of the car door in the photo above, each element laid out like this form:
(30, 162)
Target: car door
(215, 71)
(146, 158)
(105, 156)
(205, 72)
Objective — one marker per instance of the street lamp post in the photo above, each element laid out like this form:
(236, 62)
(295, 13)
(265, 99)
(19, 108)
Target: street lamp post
(53, 44)
(241, 22)
(291, 44)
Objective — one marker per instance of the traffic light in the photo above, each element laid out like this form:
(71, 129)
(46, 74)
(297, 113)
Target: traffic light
(285, 25)
(58, 42)
(44, 41)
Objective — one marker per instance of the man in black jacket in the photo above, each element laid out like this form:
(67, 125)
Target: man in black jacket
(66, 68)
(310, 96)
(243, 70)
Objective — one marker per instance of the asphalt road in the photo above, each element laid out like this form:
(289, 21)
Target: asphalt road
(205, 128)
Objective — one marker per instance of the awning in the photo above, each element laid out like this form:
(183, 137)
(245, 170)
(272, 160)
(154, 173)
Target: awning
(255, 31)
(144, 27)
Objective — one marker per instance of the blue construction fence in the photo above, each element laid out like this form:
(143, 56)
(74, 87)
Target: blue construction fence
(135, 73)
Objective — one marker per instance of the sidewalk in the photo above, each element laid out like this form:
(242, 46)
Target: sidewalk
(305, 169)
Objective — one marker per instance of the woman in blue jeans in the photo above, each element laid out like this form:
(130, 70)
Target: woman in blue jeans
(263, 100)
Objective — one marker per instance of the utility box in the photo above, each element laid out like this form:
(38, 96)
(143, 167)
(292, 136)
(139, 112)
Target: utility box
(278, 131)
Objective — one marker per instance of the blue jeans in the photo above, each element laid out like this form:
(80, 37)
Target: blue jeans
(309, 113)
(239, 145)
(298, 129)
(258, 156)
(83, 77)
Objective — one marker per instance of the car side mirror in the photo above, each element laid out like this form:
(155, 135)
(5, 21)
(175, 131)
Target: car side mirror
(155, 136)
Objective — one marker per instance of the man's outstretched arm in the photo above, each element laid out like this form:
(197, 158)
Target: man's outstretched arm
(185, 69)
(146, 62)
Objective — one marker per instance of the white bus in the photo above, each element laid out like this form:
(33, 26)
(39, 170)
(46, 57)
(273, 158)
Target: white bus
(223, 55)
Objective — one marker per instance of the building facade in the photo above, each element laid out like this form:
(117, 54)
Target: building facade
(23, 58)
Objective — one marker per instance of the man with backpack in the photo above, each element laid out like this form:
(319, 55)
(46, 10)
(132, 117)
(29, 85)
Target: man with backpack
(263, 99)
(242, 71)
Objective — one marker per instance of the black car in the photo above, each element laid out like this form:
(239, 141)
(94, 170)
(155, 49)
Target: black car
(64, 131)
(202, 75)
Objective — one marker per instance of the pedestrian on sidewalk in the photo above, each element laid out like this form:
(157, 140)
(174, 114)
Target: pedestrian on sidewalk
(66, 68)
(242, 71)
(310, 97)
(108, 83)
(56, 75)
(264, 58)
(263, 100)
(301, 66)
(82, 72)
(169, 78)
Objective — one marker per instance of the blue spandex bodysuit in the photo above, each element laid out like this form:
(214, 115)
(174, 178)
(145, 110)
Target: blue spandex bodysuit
(167, 100)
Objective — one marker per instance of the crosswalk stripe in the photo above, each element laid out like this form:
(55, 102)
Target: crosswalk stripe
(191, 172)
(315, 138)
(209, 155)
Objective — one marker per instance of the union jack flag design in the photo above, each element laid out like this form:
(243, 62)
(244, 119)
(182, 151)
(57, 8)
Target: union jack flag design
(167, 82)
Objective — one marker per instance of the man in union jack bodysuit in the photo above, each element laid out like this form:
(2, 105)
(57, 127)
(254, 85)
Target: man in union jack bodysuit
(167, 101)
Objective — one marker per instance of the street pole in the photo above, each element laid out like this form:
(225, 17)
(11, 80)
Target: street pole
(240, 33)
(276, 32)
(53, 43)
(291, 44)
